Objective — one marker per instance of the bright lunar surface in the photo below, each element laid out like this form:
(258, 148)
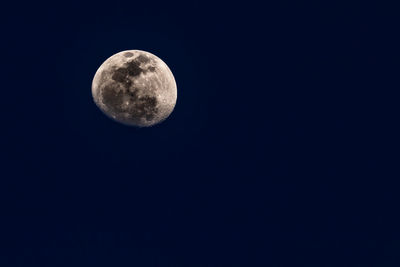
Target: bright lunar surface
(135, 88)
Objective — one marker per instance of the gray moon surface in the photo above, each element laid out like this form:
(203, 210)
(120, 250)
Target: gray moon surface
(135, 88)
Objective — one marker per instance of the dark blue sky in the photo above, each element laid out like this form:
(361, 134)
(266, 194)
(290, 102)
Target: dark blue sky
(271, 156)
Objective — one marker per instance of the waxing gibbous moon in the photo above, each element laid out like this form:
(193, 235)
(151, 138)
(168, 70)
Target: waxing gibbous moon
(135, 88)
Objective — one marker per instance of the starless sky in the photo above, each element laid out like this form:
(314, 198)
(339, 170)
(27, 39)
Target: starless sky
(270, 156)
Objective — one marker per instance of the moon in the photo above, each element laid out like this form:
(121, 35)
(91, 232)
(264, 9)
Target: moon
(135, 88)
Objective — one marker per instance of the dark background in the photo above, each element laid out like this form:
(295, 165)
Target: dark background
(277, 151)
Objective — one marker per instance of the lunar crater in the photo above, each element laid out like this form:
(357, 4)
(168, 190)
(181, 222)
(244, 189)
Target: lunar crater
(128, 54)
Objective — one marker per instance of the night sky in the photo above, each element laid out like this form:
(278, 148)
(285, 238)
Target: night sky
(273, 156)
